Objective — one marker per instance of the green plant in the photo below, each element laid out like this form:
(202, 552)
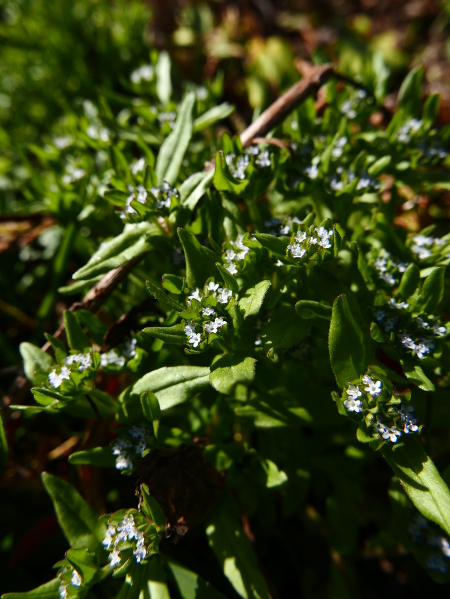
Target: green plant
(240, 294)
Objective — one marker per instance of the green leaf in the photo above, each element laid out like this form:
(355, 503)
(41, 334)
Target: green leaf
(133, 242)
(85, 563)
(251, 302)
(310, 309)
(77, 519)
(432, 291)
(379, 165)
(200, 261)
(236, 556)
(49, 590)
(34, 359)
(163, 78)
(194, 188)
(162, 297)
(430, 110)
(96, 328)
(409, 96)
(155, 583)
(364, 269)
(191, 585)
(101, 457)
(421, 480)
(174, 335)
(172, 385)
(346, 344)
(151, 508)
(76, 338)
(229, 370)
(212, 116)
(151, 409)
(276, 245)
(271, 413)
(173, 149)
(275, 477)
(134, 582)
(3, 446)
(410, 281)
(415, 374)
(284, 330)
(224, 180)
(173, 284)
(228, 279)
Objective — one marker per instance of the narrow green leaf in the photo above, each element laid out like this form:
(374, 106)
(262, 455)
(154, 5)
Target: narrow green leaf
(432, 291)
(379, 165)
(174, 335)
(415, 374)
(155, 583)
(34, 359)
(310, 309)
(200, 261)
(86, 564)
(76, 338)
(101, 457)
(430, 110)
(162, 297)
(284, 330)
(49, 590)
(173, 284)
(151, 508)
(276, 245)
(191, 585)
(409, 96)
(163, 78)
(236, 556)
(410, 281)
(229, 370)
(212, 116)
(152, 410)
(275, 477)
(421, 480)
(364, 269)
(77, 519)
(195, 188)
(173, 149)
(228, 279)
(251, 302)
(346, 344)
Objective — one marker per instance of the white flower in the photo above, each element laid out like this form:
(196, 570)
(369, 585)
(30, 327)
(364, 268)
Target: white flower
(441, 542)
(76, 579)
(140, 553)
(138, 166)
(373, 387)
(119, 445)
(220, 322)
(63, 591)
(195, 339)
(324, 243)
(55, 379)
(143, 73)
(114, 558)
(439, 331)
(140, 447)
(232, 269)
(391, 433)
(296, 250)
(224, 295)
(109, 536)
(279, 263)
(353, 405)
(189, 329)
(213, 286)
(424, 347)
(353, 391)
(111, 358)
(300, 236)
(388, 278)
(195, 295)
(208, 311)
(230, 255)
(312, 171)
(84, 361)
(124, 462)
(263, 160)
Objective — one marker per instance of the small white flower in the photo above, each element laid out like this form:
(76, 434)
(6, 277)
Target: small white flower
(195, 295)
(63, 591)
(232, 269)
(353, 391)
(143, 73)
(312, 171)
(391, 433)
(111, 358)
(208, 311)
(353, 405)
(263, 160)
(109, 536)
(213, 286)
(124, 462)
(439, 331)
(224, 295)
(220, 322)
(373, 387)
(189, 329)
(140, 447)
(140, 553)
(138, 166)
(230, 255)
(114, 558)
(120, 445)
(195, 339)
(76, 579)
(296, 250)
(55, 379)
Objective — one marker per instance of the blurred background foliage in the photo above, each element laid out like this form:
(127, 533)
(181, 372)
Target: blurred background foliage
(55, 55)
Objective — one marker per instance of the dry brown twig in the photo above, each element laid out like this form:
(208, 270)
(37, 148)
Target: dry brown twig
(313, 78)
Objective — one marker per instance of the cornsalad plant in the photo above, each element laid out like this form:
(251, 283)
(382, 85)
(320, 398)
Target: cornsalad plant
(273, 346)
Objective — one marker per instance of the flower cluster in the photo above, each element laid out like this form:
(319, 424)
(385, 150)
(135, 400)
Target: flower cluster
(404, 422)
(70, 581)
(422, 245)
(353, 392)
(387, 267)
(143, 73)
(127, 535)
(72, 172)
(236, 254)
(117, 357)
(302, 243)
(162, 196)
(239, 164)
(84, 361)
(55, 378)
(126, 449)
(409, 128)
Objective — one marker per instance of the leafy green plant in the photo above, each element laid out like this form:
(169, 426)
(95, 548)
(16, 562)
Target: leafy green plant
(270, 331)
